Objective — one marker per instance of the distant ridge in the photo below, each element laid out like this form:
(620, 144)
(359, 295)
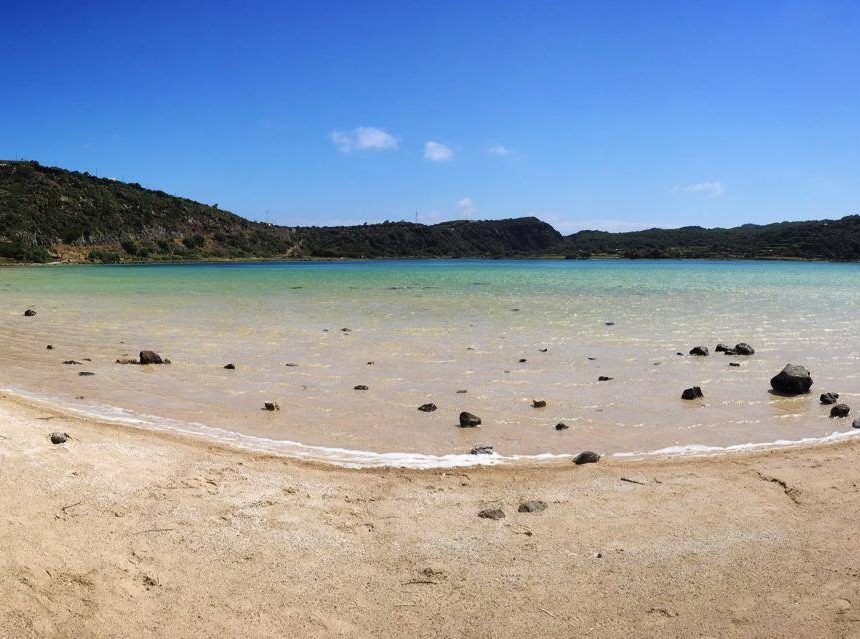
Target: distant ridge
(821, 240)
(52, 214)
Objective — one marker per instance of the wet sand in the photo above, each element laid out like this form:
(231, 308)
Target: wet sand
(133, 533)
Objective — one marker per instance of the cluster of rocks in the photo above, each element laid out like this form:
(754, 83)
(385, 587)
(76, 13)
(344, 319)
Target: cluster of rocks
(740, 349)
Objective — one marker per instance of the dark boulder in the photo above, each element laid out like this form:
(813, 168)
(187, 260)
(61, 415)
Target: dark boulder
(744, 349)
(829, 398)
(792, 380)
(840, 410)
(360, 387)
(604, 378)
(692, 393)
(271, 406)
(701, 351)
(721, 348)
(230, 367)
(49, 347)
(29, 312)
(539, 403)
(71, 362)
(492, 513)
(482, 449)
(467, 420)
(856, 423)
(427, 408)
(734, 364)
(86, 374)
(561, 426)
(59, 438)
(149, 357)
(532, 506)
(586, 457)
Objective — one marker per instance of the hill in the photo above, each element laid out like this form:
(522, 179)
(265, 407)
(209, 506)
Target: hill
(823, 240)
(48, 213)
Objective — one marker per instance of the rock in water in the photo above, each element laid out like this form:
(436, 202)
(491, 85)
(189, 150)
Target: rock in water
(271, 406)
(59, 438)
(721, 348)
(532, 506)
(856, 423)
(85, 374)
(29, 312)
(792, 380)
(829, 398)
(586, 457)
(701, 351)
(539, 403)
(149, 357)
(604, 378)
(734, 364)
(482, 449)
(840, 410)
(744, 349)
(49, 347)
(492, 513)
(692, 393)
(467, 420)
(561, 426)
(360, 387)
(427, 408)
(230, 367)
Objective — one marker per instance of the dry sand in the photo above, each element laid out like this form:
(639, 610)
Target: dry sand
(122, 533)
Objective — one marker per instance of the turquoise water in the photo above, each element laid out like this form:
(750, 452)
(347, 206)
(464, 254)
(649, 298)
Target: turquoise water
(432, 328)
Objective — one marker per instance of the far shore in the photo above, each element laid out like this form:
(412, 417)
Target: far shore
(123, 532)
(523, 258)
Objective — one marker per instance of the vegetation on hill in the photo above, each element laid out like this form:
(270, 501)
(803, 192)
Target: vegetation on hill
(49, 214)
(491, 238)
(48, 211)
(824, 240)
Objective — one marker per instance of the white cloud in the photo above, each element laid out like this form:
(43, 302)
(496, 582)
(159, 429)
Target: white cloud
(708, 189)
(499, 150)
(437, 152)
(364, 138)
(466, 207)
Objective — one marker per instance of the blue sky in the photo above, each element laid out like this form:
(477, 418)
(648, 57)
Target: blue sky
(612, 115)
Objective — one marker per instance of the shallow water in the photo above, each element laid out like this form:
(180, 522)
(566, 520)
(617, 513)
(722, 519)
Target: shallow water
(432, 328)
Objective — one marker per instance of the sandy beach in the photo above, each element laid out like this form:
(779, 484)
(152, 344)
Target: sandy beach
(121, 532)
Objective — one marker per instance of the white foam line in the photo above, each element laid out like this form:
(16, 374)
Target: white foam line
(701, 450)
(345, 457)
(351, 458)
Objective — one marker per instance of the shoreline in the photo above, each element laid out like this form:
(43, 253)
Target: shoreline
(124, 532)
(338, 457)
(554, 257)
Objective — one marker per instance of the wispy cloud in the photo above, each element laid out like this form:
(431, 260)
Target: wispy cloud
(499, 150)
(437, 152)
(708, 189)
(466, 207)
(364, 138)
